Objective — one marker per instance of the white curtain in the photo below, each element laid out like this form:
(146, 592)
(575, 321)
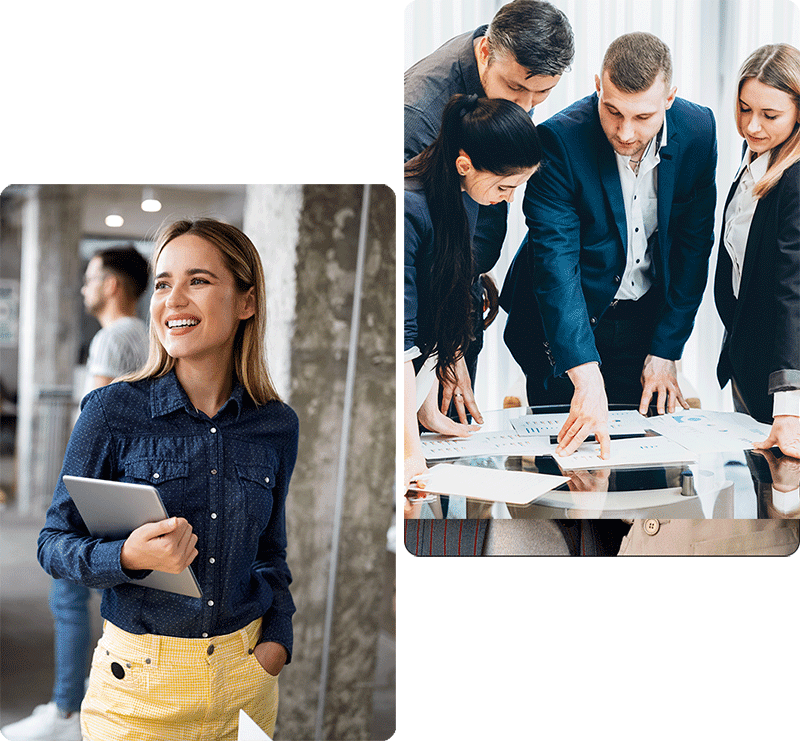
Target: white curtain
(709, 40)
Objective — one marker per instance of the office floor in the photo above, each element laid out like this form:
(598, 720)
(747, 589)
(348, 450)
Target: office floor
(26, 632)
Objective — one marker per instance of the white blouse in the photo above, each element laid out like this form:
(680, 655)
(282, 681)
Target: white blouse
(738, 218)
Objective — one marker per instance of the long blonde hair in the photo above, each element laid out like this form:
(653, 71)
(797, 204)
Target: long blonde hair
(776, 65)
(241, 258)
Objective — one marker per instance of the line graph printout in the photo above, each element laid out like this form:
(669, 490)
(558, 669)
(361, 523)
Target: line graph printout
(439, 447)
(624, 422)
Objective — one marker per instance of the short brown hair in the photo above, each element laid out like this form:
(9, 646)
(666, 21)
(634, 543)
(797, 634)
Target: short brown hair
(634, 60)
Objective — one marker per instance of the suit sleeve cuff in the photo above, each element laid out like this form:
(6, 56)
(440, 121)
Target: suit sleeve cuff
(786, 402)
(787, 379)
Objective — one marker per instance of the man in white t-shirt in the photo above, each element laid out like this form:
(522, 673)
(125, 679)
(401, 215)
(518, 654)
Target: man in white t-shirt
(114, 280)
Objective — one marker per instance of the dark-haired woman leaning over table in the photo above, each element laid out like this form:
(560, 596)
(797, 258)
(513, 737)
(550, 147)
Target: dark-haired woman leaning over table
(485, 149)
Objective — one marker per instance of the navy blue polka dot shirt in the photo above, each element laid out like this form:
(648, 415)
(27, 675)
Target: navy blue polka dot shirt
(228, 476)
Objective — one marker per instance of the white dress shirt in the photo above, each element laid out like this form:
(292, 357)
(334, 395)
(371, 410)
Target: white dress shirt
(738, 218)
(640, 196)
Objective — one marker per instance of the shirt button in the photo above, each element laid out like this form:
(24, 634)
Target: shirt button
(266, 478)
(212, 560)
(213, 471)
(155, 475)
(210, 603)
(210, 649)
(651, 527)
(593, 321)
(213, 429)
(213, 515)
(205, 635)
(617, 279)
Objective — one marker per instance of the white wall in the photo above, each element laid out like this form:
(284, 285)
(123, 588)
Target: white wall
(709, 40)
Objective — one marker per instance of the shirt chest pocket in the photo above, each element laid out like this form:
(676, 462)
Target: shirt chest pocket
(169, 477)
(256, 483)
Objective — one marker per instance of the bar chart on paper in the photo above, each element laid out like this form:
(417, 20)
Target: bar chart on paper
(625, 422)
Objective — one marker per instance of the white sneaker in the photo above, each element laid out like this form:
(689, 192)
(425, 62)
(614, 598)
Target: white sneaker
(45, 724)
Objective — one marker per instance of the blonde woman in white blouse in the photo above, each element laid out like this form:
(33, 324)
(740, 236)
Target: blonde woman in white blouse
(757, 284)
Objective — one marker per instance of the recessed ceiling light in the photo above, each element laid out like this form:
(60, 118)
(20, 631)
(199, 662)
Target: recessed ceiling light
(149, 201)
(114, 220)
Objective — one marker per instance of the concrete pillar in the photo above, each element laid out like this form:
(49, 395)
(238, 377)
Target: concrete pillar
(325, 253)
(271, 217)
(50, 284)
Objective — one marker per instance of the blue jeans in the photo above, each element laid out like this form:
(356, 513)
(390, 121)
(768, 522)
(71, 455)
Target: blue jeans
(69, 603)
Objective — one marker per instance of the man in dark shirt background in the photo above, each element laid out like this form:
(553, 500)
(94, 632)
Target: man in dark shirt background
(519, 56)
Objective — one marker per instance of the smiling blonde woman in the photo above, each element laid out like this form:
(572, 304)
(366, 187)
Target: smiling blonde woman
(203, 424)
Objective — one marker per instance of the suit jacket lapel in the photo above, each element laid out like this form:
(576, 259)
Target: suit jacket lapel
(667, 167)
(757, 227)
(609, 177)
(723, 276)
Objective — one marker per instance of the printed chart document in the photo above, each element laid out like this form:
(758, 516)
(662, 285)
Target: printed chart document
(624, 422)
(490, 484)
(710, 432)
(248, 730)
(439, 447)
(635, 452)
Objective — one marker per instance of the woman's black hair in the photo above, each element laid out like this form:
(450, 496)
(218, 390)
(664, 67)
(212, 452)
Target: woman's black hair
(498, 137)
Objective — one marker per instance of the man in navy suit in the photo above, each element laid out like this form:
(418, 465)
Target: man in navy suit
(602, 294)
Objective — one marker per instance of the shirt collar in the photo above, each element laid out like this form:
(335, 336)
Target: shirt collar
(758, 166)
(468, 63)
(167, 395)
(651, 153)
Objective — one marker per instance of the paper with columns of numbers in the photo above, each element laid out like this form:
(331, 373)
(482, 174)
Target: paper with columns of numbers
(440, 447)
(490, 484)
(248, 730)
(637, 452)
(624, 422)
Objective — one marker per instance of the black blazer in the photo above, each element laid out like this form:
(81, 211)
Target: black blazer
(761, 350)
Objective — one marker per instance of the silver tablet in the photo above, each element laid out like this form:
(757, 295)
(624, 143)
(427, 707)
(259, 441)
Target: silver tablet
(113, 509)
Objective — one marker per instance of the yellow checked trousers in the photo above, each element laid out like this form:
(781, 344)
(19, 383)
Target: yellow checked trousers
(162, 688)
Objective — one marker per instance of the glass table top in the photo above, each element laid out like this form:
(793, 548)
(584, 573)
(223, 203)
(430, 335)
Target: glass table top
(737, 483)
